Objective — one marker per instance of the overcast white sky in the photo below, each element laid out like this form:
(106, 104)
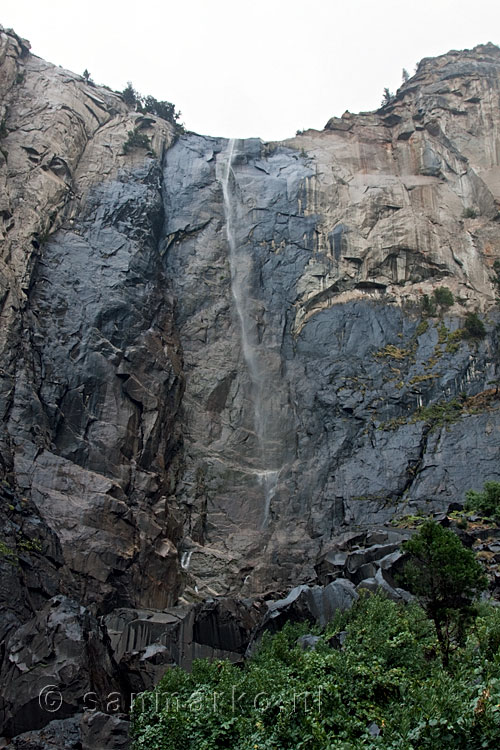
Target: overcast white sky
(261, 68)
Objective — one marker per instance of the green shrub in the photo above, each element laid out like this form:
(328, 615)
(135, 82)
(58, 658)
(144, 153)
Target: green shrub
(442, 334)
(440, 413)
(428, 305)
(485, 503)
(136, 101)
(453, 340)
(165, 110)
(443, 297)
(24, 544)
(469, 213)
(8, 554)
(473, 327)
(136, 139)
(422, 327)
(393, 352)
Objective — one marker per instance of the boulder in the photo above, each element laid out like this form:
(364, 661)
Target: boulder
(308, 642)
(101, 731)
(316, 604)
(60, 734)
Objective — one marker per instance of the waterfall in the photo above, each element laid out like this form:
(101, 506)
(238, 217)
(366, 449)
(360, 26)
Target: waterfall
(268, 480)
(186, 559)
(240, 265)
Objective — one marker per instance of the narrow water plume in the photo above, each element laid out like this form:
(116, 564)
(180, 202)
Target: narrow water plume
(240, 264)
(186, 559)
(268, 480)
(238, 287)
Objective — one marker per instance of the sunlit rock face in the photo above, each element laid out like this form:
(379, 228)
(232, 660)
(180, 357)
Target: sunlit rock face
(213, 353)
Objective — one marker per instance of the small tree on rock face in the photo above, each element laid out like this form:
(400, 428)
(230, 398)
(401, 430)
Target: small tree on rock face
(130, 96)
(444, 297)
(446, 578)
(474, 327)
(136, 139)
(388, 96)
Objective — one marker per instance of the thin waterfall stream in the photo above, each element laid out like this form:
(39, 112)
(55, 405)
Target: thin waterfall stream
(267, 476)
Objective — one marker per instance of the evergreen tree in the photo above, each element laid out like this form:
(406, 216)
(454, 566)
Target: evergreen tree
(446, 578)
(130, 96)
(388, 96)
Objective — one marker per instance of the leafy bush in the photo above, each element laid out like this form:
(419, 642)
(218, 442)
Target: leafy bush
(444, 297)
(136, 139)
(428, 305)
(422, 327)
(165, 110)
(470, 213)
(474, 327)
(441, 297)
(388, 673)
(485, 503)
(7, 553)
(393, 352)
(138, 102)
(440, 413)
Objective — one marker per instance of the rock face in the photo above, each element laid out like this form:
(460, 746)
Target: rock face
(214, 361)
(303, 402)
(62, 646)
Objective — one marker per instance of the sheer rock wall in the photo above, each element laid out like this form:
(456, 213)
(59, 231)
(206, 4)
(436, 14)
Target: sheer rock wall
(146, 464)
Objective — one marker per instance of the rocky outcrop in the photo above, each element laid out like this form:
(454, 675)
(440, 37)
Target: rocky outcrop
(51, 663)
(60, 734)
(104, 731)
(88, 423)
(215, 364)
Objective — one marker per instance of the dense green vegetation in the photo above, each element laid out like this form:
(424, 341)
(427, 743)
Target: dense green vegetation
(485, 503)
(441, 297)
(446, 579)
(148, 104)
(470, 213)
(387, 680)
(384, 675)
(136, 139)
(474, 327)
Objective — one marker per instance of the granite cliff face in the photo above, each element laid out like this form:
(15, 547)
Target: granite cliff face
(213, 354)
